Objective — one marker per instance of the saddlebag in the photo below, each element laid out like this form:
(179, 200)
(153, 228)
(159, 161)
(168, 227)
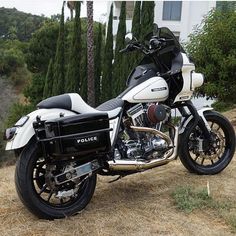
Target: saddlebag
(74, 135)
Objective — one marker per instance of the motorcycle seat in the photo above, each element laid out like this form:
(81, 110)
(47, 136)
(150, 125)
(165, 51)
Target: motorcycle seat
(74, 102)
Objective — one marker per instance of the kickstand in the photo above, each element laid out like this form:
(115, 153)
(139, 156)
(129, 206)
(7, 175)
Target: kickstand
(114, 180)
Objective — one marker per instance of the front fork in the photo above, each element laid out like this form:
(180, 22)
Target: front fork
(197, 117)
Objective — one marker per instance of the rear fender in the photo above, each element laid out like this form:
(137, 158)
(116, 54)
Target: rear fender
(201, 114)
(26, 132)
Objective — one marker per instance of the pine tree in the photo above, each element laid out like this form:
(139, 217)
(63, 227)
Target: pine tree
(98, 65)
(147, 18)
(59, 63)
(47, 91)
(120, 62)
(107, 62)
(135, 57)
(73, 72)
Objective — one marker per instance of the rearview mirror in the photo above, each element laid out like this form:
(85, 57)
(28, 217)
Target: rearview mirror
(128, 37)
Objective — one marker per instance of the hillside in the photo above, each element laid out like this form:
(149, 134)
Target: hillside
(17, 24)
(137, 205)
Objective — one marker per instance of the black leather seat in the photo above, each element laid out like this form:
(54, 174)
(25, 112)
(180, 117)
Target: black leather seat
(61, 101)
(111, 104)
(73, 102)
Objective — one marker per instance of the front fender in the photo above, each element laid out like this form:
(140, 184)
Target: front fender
(26, 132)
(201, 113)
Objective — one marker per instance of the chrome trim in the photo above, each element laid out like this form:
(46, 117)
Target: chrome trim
(137, 165)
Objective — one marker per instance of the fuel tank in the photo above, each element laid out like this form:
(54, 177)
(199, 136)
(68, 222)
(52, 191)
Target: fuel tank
(154, 89)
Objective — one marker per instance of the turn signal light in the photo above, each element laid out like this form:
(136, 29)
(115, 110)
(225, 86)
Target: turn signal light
(9, 133)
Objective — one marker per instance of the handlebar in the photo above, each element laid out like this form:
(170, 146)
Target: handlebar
(155, 45)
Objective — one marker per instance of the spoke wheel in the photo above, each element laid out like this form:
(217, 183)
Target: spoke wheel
(204, 156)
(37, 190)
(45, 187)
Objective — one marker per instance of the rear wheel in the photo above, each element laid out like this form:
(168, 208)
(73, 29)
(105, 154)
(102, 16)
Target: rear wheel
(41, 195)
(202, 156)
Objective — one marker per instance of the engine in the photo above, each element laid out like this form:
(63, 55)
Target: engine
(143, 145)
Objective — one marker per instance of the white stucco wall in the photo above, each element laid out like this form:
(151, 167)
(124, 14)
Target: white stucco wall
(191, 15)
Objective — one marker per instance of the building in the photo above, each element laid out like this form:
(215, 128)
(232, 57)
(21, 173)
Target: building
(179, 16)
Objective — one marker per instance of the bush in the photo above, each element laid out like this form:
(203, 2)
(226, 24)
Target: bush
(222, 106)
(34, 90)
(213, 49)
(10, 59)
(16, 112)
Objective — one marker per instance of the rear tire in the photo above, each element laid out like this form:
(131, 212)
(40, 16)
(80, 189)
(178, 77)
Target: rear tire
(31, 199)
(214, 163)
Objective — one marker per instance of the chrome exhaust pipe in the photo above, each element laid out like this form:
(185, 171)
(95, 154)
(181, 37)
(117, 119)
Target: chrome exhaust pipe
(153, 131)
(137, 165)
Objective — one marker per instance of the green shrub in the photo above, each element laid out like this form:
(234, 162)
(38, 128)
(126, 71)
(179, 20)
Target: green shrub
(222, 106)
(212, 47)
(16, 112)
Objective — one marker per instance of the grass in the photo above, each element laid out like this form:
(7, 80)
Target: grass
(188, 199)
(232, 221)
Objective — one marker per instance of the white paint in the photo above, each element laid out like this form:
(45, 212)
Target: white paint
(80, 106)
(25, 133)
(191, 15)
(201, 113)
(148, 91)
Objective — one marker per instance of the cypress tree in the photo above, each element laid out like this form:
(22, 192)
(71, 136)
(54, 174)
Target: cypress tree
(136, 19)
(107, 63)
(147, 18)
(73, 71)
(90, 55)
(98, 64)
(120, 63)
(47, 91)
(83, 75)
(59, 63)
(135, 56)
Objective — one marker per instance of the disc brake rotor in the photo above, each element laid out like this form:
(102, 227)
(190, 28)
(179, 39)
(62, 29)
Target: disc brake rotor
(216, 147)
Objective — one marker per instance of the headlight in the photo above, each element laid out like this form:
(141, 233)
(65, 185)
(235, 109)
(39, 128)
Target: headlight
(21, 121)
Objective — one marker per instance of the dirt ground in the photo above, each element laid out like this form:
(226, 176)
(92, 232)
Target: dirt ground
(136, 205)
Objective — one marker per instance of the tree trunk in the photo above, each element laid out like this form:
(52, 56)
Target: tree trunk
(90, 54)
(71, 6)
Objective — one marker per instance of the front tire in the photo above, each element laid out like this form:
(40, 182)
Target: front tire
(27, 185)
(217, 155)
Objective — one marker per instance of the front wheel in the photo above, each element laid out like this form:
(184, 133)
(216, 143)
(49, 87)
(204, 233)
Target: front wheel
(40, 195)
(208, 157)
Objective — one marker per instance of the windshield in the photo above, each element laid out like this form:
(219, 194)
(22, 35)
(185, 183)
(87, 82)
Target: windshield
(164, 32)
(167, 34)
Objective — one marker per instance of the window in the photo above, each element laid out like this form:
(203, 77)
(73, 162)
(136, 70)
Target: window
(172, 10)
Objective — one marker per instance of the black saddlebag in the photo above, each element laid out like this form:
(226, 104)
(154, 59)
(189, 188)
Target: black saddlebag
(74, 135)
